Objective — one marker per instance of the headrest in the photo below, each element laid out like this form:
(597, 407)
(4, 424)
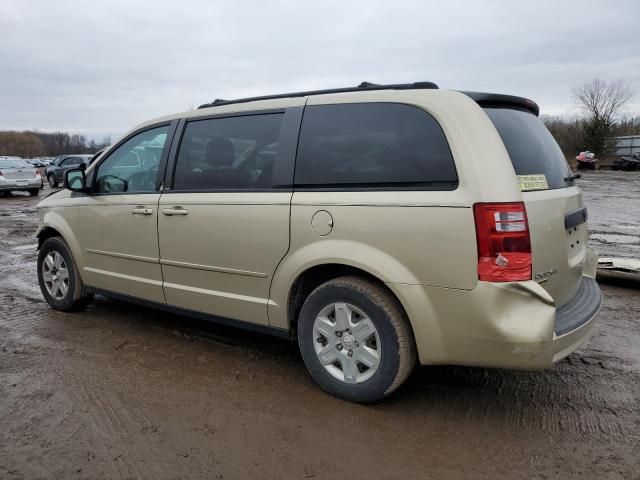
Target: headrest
(220, 152)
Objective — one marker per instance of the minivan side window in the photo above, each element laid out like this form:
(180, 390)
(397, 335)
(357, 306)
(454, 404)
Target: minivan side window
(373, 145)
(133, 166)
(228, 153)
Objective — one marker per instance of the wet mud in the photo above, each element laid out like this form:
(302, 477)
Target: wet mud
(613, 202)
(120, 391)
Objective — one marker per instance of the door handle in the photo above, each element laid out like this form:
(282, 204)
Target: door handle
(141, 211)
(175, 211)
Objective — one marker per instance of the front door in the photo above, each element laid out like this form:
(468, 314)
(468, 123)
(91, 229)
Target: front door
(224, 223)
(117, 223)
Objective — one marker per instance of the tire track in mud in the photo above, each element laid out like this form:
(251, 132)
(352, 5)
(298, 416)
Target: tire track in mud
(89, 409)
(111, 423)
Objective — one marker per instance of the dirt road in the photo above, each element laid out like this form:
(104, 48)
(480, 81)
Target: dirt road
(124, 392)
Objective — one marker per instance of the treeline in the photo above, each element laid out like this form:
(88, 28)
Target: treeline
(576, 134)
(41, 144)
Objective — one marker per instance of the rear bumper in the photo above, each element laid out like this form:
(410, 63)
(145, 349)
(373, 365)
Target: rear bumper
(575, 320)
(8, 184)
(504, 325)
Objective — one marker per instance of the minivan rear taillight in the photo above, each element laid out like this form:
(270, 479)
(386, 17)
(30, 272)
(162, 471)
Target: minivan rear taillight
(504, 246)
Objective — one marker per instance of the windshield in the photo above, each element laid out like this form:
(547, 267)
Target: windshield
(14, 164)
(535, 155)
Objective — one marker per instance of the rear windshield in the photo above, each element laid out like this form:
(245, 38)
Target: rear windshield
(532, 148)
(13, 163)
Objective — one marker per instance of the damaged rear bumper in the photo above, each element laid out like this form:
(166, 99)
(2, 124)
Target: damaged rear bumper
(504, 325)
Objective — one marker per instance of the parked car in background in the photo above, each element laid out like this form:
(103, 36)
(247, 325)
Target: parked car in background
(18, 175)
(61, 164)
(36, 162)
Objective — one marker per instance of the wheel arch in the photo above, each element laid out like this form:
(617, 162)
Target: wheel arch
(55, 225)
(309, 278)
(320, 257)
(45, 233)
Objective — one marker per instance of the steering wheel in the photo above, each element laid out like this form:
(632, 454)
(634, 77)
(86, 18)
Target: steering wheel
(106, 186)
(144, 181)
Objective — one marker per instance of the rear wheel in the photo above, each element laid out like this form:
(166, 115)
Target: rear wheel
(58, 277)
(51, 178)
(34, 192)
(355, 339)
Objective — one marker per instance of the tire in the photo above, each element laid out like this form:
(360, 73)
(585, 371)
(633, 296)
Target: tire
(34, 192)
(74, 296)
(392, 342)
(51, 178)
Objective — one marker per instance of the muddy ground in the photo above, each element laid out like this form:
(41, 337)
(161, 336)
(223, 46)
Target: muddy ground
(124, 392)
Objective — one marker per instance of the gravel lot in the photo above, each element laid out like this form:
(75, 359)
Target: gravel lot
(124, 392)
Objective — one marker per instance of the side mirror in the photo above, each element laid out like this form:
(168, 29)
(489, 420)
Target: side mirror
(75, 180)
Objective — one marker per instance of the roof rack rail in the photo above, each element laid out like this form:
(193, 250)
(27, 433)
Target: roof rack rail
(363, 86)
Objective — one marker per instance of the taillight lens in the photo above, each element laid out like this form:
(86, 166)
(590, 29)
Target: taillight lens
(504, 245)
(37, 173)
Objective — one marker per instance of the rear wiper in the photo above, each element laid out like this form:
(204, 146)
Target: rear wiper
(573, 177)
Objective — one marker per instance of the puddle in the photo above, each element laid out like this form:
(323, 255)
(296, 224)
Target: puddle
(26, 247)
(615, 238)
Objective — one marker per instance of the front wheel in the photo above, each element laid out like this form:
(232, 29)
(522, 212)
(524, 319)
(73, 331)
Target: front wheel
(58, 277)
(355, 339)
(51, 178)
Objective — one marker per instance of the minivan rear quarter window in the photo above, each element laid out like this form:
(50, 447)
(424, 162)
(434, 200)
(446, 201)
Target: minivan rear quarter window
(373, 145)
(532, 148)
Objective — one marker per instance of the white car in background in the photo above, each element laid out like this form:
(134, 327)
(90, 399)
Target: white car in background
(18, 175)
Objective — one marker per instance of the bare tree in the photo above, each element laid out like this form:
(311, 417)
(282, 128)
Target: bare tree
(602, 103)
(52, 144)
(21, 144)
(567, 131)
(603, 100)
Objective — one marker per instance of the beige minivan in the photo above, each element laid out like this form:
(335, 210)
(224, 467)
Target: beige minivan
(378, 225)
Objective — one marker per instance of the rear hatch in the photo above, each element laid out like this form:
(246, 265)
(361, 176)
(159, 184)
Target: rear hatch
(555, 207)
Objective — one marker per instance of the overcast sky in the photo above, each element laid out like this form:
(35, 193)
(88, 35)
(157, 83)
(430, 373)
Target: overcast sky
(101, 67)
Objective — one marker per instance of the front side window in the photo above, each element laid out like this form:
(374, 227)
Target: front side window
(133, 166)
(373, 145)
(228, 153)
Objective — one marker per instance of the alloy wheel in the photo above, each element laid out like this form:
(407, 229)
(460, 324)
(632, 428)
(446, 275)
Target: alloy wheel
(347, 343)
(55, 275)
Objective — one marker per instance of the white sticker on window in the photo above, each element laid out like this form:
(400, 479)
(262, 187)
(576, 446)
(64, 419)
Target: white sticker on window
(533, 182)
